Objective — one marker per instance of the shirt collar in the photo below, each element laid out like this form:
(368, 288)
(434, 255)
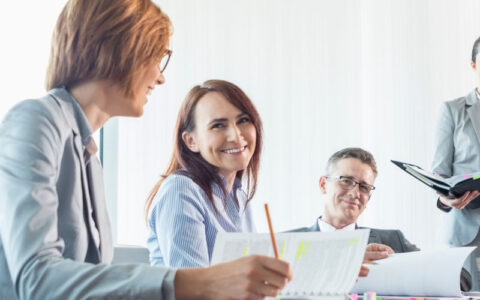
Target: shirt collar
(91, 147)
(325, 227)
(237, 183)
(472, 98)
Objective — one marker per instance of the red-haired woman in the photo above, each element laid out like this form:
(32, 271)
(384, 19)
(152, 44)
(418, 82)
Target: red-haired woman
(218, 141)
(55, 239)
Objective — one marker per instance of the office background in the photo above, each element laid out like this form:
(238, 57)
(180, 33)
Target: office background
(323, 74)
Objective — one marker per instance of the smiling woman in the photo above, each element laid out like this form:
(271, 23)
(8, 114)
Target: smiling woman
(224, 136)
(218, 140)
(106, 56)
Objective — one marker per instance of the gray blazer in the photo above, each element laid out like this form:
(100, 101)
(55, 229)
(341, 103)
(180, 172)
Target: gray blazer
(55, 239)
(392, 238)
(457, 151)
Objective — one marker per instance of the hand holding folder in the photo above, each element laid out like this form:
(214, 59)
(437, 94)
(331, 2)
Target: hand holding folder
(460, 202)
(453, 187)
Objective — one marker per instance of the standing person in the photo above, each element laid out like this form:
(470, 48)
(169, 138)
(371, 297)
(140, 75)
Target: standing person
(218, 141)
(457, 151)
(55, 239)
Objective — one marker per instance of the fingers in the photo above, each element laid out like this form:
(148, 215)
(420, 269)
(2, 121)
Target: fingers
(380, 248)
(376, 251)
(276, 273)
(369, 262)
(446, 201)
(264, 289)
(252, 277)
(470, 198)
(364, 271)
(375, 255)
(280, 267)
(461, 202)
(264, 276)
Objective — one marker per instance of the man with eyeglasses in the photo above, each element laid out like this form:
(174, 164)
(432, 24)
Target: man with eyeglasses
(347, 187)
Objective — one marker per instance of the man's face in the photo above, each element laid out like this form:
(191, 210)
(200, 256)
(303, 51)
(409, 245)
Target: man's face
(343, 206)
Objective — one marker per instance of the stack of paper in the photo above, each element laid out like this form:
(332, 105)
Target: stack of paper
(433, 273)
(322, 263)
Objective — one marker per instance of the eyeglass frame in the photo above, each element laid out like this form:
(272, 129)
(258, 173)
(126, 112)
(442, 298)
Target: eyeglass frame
(168, 53)
(372, 188)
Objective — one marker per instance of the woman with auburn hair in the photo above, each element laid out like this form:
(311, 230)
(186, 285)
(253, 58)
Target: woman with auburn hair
(55, 239)
(218, 141)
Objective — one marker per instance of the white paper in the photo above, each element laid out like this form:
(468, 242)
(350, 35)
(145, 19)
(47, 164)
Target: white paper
(434, 273)
(323, 263)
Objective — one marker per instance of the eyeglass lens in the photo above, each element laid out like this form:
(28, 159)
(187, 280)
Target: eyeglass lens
(165, 60)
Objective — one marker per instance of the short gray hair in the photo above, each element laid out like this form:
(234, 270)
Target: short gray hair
(358, 153)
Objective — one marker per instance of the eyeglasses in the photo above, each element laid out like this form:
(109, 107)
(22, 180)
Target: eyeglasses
(348, 183)
(165, 60)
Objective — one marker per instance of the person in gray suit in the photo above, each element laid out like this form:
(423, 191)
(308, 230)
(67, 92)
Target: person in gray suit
(347, 187)
(457, 152)
(55, 238)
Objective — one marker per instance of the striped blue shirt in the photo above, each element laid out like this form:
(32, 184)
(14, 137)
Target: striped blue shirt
(183, 223)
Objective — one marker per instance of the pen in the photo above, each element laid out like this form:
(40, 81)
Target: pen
(274, 244)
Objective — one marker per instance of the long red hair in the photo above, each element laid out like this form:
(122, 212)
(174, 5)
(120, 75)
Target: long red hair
(202, 172)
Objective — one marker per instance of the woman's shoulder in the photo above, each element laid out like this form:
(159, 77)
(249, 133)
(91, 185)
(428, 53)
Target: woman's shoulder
(460, 102)
(177, 191)
(36, 122)
(39, 116)
(179, 179)
(33, 110)
(179, 185)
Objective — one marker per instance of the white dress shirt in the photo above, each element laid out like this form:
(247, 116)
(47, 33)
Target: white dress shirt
(325, 227)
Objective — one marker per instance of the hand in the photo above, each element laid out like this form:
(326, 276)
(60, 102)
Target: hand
(251, 277)
(364, 270)
(377, 251)
(461, 202)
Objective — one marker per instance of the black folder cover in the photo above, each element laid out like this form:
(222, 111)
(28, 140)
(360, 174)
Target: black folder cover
(454, 186)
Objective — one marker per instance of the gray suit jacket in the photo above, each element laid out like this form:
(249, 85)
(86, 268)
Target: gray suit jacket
(392, 238)
(51, 207)
(457, 151)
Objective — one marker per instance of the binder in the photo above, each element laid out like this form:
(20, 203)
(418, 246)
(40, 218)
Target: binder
(452, 187)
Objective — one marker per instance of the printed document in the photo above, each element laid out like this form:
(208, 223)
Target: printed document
(433, 273)
(323, 263)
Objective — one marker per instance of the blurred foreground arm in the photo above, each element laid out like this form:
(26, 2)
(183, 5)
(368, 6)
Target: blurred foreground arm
(252, 277)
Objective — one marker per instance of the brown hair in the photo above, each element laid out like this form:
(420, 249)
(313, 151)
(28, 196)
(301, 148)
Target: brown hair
(108, 39)
(476, 44)
(202, 172)
(358, 153)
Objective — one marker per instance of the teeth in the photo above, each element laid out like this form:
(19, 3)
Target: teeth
(230, 151)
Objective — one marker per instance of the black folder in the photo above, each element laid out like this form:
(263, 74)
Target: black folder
(453, 187)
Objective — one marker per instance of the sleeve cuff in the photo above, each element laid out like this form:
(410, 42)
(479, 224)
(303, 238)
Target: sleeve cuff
(442, 206)
(168, 286)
